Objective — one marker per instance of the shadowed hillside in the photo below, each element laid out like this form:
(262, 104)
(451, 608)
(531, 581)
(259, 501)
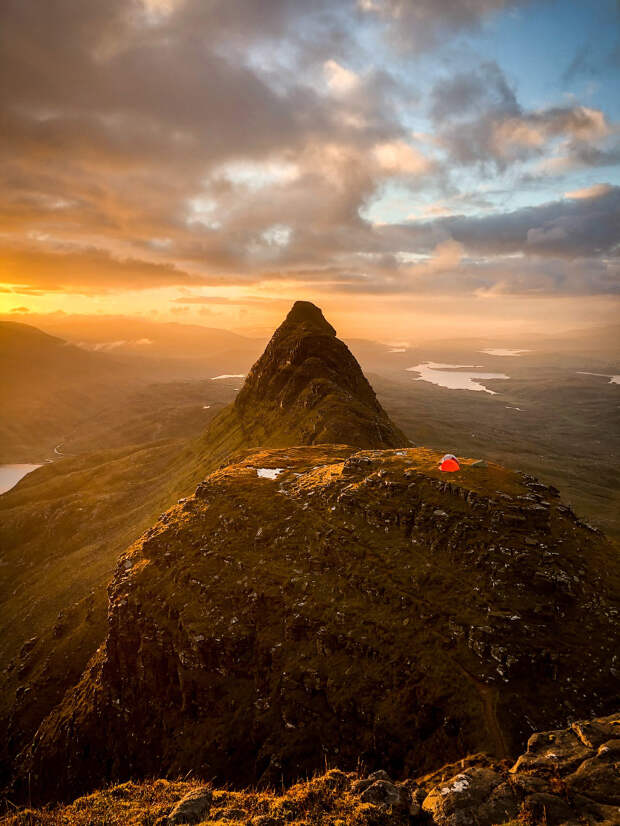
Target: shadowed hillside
(48, 386)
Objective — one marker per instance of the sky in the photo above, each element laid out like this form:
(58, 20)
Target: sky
(410, 165)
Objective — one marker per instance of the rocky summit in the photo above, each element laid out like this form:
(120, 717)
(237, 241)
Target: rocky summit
(325, 603)
(307, 388)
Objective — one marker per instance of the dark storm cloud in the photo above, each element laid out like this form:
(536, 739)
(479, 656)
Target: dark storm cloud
(483, 89)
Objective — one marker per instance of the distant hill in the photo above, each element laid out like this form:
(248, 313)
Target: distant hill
(60, 394)
(49, 385)
(161, 350)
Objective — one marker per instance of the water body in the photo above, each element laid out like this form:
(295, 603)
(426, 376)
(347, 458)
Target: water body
(11, 474)
(228, 376)
(500, 351)
(455, 376)
(612, 379)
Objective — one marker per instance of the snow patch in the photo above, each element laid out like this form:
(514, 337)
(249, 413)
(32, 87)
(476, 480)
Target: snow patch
(269, 472)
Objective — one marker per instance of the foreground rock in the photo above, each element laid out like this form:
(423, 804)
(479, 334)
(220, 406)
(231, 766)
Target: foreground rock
(193, 807)
(568, 777)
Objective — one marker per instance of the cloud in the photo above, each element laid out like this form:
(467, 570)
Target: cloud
(594, 191)
(399, 157)
(183, 143)
(339, 79)
(479, 120)
(482, 89)
(445, 257)
(420, 24)
(86, 270)
(573, 228)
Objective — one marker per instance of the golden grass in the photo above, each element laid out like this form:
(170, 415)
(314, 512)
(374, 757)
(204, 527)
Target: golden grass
(326, 800)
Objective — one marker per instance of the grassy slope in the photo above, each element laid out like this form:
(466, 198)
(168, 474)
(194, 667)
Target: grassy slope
(61, 531)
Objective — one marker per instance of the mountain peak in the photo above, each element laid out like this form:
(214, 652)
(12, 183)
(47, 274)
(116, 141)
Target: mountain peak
(307, 388)
(309, 315)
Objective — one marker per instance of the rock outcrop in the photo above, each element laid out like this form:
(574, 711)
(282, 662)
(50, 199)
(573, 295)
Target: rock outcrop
(325, 603)
(570, 776)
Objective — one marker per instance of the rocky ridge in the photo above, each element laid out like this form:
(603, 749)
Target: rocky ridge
(332, 603)
(325, 603)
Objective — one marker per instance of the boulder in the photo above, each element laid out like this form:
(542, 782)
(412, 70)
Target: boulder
(382, 793)
(594, 733)
(599, 776)
(192, 808)
(479, 796)
(552, 752)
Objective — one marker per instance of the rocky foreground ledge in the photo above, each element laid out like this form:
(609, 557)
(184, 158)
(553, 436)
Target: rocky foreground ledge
(569, 777)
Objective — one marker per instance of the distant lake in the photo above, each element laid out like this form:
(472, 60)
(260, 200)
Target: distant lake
(11, 474)
(612, 379)
(228, 376)
(501, 351)
(455, 376)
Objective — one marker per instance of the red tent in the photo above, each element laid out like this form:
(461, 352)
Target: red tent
(449, 463)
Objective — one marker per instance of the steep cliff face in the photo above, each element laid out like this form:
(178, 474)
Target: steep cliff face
(328, 604)
(307, 388)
